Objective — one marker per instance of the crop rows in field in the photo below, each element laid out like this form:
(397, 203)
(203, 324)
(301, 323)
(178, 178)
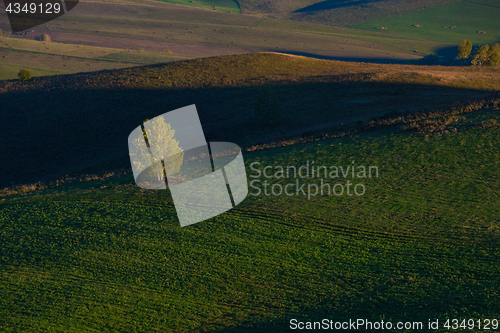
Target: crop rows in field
(108, 255)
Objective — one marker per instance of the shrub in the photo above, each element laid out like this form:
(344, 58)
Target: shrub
(489, 123)
(45, 38)
(168, 51)
(24, 74)
(1, 34)
(140, 50)
(268, 110)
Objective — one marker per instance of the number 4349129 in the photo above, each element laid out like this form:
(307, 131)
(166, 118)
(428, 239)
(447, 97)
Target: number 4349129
(485, 324)
(32, 8)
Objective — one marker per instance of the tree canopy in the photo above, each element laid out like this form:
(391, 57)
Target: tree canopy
(487, 55)
(464, 49)
(162, 149)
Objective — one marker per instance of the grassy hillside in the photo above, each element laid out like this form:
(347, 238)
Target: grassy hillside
(227, 6)
(301, 28)
(9, 72)
(230, 6)
(468, 17)
(338, 13)
(197, 32)
(57, 58)
(421, 243)
(83, 249)
(318, 96)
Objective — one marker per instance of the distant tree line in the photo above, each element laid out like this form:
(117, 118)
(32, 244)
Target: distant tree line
(484, 55)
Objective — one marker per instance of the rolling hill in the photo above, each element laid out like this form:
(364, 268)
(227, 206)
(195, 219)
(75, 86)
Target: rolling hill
(467, 18)
(157, 26)
(358, 12)
(57, 58)
(84, 249)
(97, 253)
(61, 137)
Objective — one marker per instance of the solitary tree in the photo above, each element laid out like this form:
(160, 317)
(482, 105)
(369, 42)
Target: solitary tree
(464, 49)
(24, 74)
(162, 150)
(268, 110)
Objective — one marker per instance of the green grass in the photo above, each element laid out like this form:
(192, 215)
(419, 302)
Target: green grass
(229, 6)
(427, 183)
(215, 33)
(469, 18)
(9, 71)
(144, 57)
(57, 58)
(224, 88)
(488, 2)
(247, 34)
(187, 30)
(365, 12)
(55, 48)
(421, 243)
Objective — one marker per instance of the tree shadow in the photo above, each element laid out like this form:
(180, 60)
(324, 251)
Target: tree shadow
(62, 132)
(374, 60)
(332, 4)
(451, 52)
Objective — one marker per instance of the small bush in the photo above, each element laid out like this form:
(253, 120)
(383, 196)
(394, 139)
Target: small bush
(1, 34)
(140, 50)
(168, 51)
(45, 38)
(489, 123)
(268, 110)
(24, 74)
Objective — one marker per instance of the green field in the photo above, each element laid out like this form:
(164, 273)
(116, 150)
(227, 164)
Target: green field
(225, 88)
(421, 244)
(199, 33)
(468, 17)
(57, 58)
(276, 26)
(361, 12)
(9, 72)
(229, 6)
(84, 249)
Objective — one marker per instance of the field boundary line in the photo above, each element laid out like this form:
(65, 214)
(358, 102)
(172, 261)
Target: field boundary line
(481, 3)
